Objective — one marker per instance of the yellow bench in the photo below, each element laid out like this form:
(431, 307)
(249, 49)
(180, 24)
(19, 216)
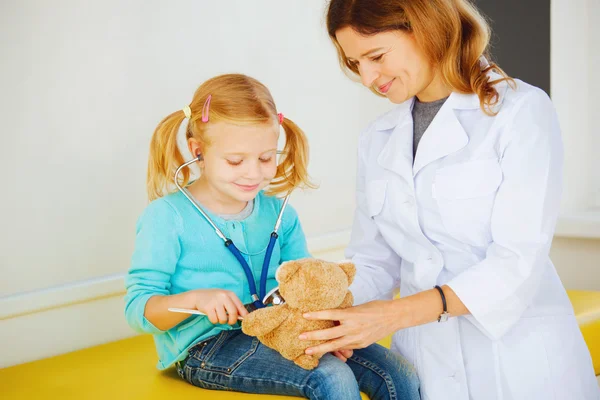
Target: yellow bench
(113, 371)
(126, 369)
(587, 309)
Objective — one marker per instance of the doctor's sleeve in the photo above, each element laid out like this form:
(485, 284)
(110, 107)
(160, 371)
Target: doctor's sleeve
(500, 288)
(157, 250)
(377, 264)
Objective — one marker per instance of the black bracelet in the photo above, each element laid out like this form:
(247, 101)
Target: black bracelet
(444, 315)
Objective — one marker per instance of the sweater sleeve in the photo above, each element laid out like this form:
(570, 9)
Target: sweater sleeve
(157, 250)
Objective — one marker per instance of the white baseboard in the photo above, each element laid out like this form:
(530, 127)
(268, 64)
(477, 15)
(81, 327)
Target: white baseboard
(57, 320)
(583, 224)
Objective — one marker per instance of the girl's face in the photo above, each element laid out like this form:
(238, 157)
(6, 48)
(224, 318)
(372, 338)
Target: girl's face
(389, 62)
(238, 162)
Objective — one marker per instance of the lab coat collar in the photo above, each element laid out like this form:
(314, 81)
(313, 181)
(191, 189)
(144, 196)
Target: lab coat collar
(393, 117)
(458, 101)
(445, 135)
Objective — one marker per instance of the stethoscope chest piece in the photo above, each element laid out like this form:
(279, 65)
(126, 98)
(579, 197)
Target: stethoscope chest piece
(274, 298)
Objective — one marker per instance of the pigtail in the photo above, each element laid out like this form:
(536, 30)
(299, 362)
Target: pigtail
(292, 170)
(165, 156)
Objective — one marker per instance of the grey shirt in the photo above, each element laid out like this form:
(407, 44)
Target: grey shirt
(242, 215)
(423, 114)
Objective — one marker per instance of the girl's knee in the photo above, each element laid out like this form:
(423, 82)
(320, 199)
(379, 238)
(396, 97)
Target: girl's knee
(332, 379)
(403, 374)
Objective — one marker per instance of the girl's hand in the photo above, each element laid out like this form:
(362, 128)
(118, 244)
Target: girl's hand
(220, 306)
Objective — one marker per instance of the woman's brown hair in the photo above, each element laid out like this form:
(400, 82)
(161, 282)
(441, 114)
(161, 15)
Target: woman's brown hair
(452, 33)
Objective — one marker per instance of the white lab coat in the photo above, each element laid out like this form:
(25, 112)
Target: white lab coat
(475, 211)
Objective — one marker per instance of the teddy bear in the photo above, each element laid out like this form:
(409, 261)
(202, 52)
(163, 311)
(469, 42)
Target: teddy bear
(306, 285)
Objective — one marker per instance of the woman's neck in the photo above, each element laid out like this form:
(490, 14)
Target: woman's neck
(436, 90)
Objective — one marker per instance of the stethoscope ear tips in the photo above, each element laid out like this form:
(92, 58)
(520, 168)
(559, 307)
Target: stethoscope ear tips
(199, 157)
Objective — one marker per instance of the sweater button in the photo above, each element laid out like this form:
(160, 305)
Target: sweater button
(202, 365)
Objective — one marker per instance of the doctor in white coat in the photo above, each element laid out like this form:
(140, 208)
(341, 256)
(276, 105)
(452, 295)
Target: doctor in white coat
(473, 212)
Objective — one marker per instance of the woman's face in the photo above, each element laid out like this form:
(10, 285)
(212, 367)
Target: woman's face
(389, 62)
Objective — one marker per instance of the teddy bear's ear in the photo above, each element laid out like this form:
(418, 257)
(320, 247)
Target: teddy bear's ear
(349, 269)
(286, 271)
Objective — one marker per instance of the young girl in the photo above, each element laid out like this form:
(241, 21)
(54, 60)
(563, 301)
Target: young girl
(180, 261)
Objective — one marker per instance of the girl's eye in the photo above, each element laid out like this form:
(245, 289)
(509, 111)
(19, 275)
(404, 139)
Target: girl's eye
(265, 160)
(234, 162)
(378, 58)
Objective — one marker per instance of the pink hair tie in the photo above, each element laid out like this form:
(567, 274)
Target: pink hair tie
(280, 116)
(206, 108)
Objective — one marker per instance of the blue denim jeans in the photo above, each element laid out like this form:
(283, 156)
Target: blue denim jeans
(234, 361)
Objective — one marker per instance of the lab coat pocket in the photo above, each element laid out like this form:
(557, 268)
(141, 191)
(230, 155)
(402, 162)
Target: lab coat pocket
(465, 196)
(375, 193)
(524, 360)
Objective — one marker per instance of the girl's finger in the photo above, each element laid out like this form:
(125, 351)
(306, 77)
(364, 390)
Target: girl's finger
(232, 312)
(211, 313)
(239, 306)
(221, 314)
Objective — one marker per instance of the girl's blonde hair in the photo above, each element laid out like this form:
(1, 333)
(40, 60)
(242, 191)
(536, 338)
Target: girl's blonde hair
(451, 33)
(236, 99)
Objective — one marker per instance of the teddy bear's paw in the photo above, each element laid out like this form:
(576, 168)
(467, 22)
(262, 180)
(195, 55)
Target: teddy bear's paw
(307, 362)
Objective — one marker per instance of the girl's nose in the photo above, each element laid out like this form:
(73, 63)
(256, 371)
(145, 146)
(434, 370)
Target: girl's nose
(253, 171)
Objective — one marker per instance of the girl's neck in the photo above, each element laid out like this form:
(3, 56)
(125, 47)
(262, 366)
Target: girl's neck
(215, 201)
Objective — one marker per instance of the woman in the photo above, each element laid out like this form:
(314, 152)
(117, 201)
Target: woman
(458, 193)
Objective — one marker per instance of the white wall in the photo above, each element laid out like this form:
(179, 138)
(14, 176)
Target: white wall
(83, 85)
(594, 90)
(575, 61)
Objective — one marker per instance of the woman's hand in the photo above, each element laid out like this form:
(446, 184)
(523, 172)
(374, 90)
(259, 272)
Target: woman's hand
(363, 325)
(359, 326)
(343, 354)
(220, 306)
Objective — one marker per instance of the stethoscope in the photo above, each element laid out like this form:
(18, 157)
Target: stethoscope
(273, 297)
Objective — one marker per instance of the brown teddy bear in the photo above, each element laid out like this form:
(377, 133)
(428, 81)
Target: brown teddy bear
(305, 285)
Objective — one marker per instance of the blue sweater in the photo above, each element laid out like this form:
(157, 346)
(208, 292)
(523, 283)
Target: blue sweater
(176, 250)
